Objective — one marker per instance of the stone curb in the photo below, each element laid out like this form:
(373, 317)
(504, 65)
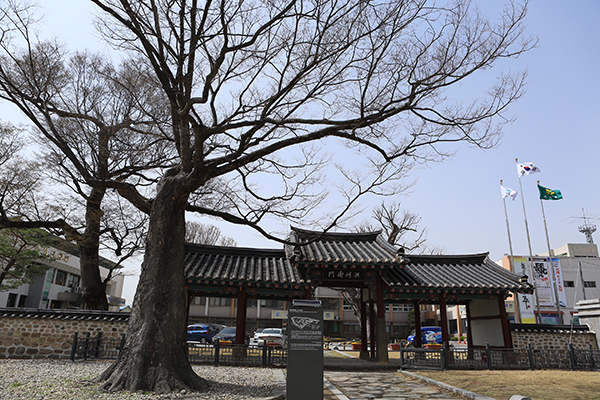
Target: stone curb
(461, 392)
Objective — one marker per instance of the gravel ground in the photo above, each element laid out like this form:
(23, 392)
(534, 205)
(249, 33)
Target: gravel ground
(37, 379)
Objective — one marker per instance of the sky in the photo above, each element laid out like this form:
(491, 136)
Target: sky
(459, 199)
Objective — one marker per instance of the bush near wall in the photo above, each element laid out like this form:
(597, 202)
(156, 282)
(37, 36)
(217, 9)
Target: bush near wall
(35, 333)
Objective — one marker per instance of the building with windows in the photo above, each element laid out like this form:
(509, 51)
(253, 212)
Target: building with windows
(580, 267)
(60, 287)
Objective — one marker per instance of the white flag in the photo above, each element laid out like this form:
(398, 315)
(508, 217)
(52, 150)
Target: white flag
(527, 168)
(508, 192)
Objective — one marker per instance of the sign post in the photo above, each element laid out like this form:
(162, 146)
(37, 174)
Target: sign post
(305, 350)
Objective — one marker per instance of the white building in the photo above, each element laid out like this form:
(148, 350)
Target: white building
(60, 286)
(580, 265)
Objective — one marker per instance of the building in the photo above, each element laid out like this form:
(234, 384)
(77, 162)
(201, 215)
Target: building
(580, 267)
(60, 287)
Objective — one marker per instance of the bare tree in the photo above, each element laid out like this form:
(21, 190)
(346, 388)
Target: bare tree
(196, 232)
(95, 123)
(257, 89)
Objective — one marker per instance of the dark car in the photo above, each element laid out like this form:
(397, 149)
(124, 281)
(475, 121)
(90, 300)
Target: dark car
(200, 333)
(228, 334)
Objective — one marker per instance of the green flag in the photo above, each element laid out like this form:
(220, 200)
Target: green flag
(549, 194)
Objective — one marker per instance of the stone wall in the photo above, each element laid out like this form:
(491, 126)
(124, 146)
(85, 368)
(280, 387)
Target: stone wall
(32, 333)
(552, 337)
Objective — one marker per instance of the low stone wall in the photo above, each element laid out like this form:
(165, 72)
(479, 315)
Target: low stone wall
(552, 337)
(32, 333)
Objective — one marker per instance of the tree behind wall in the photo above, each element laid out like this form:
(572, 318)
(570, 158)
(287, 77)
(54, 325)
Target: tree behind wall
(95, 123)
(21, 254)
(247, 82)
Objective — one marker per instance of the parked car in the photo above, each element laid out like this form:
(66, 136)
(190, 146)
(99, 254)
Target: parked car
(429, 335)
(200, 333)
(228, 334)
(272, 337)
(254, 339)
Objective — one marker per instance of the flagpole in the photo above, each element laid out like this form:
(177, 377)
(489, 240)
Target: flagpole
(511, 260)
(537, 299)
(550, 255)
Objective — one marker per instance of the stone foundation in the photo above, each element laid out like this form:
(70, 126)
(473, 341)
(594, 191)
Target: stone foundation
(552, 337)
(31, 333)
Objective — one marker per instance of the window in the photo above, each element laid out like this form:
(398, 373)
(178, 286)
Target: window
(387, 308)
(278, 304)
(73, 281)
(347, 306)
(61, 278)
(402, 307)
(199, 301)
(569, 283)
(12, 300)
(220, 301)
(22, 300)
(589, 283)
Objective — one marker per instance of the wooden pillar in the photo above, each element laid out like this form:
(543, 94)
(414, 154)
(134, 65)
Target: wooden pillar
(505, 324)
(240, 323)
(458, 321)
(382, 336)
(444, 319)
(417, 308)
(364, 351)
(372, 326)
(469, 331)
(307, 294)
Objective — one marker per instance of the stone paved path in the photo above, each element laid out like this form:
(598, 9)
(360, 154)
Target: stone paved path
(381, 385)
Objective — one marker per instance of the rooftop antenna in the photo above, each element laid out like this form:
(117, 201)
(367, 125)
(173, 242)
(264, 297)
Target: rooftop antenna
(587, 229)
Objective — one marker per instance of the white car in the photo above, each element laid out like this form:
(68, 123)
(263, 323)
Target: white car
(254, 339)
(272, 337)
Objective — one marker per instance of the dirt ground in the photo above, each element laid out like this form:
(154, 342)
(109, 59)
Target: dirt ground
(538, 385)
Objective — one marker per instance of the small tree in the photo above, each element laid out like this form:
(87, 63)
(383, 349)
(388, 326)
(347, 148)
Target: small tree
(196, 232)
(21, 251)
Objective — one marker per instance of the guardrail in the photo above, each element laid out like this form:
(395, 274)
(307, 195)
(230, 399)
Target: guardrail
(237, 354)
(500, 359)
(96, 347)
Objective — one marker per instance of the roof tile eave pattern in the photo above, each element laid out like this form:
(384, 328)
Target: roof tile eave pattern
(479, 276)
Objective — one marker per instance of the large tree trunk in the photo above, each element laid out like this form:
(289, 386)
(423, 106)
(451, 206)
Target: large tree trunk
(92, 287)
(154, 356)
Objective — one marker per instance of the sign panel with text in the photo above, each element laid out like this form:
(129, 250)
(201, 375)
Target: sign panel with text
(305, 351)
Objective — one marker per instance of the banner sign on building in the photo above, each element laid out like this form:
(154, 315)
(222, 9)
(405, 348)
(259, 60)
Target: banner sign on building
(541, 272)
(558, 278)
(526, 301)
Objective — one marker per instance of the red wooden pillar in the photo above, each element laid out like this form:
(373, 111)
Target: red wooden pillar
(505, 324)
(307, 294)
(372, 323)
(444, 319)
(364, 351)
(469, 332)
(240, 323)
(418, 340)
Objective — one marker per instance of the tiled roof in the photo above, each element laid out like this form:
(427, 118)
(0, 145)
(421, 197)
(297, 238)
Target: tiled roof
(546, 328)
(340, 248)
(82, 315)
(474, 271)
(238, 264)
